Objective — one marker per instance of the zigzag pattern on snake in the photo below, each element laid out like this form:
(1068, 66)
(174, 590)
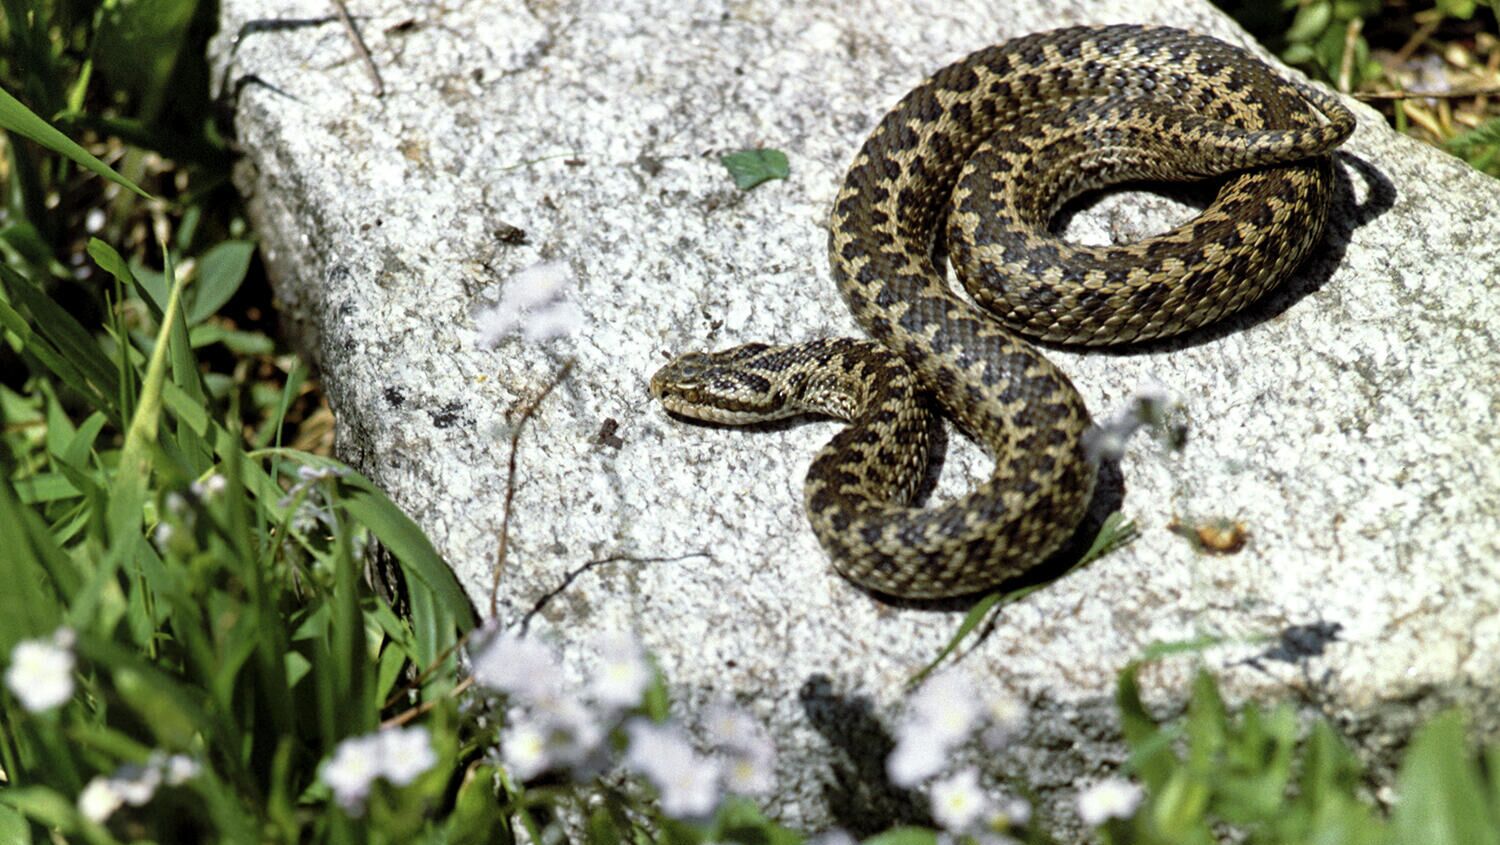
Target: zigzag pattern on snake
(997, 142)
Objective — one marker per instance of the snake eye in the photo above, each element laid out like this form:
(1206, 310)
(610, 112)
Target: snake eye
(693, 395)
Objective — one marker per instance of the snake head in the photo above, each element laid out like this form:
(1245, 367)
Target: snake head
(732, 386)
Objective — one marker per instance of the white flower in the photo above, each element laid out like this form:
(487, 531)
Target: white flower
(41, 672)
(749, 773)
(1013, 812)
(536, 301)
(914, 760)
(687, 781)
(689, 787)
(179, 769)
(209, 487)
(522, 667)
(624, 672)
(524, 748)
(1111, 798)
(944, 710)
(136, 784)
(1006, 712)
(733, 727)
(559, 320)
(749, 754)
(405, 754)
(99, 800)
(353, 769)
(957, 802)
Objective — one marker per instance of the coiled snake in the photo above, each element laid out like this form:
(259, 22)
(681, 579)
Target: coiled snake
(1000, 140)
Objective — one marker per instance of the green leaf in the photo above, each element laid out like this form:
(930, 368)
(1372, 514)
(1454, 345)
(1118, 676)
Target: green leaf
(164, 707)
(739, 820)
(372, 508)
(15, 117)
(1151, 754)
(13, 827)
(752, 167)
(1310, 22)
(28, 242)
(904, 836)
(244, 344)
(221, 270)
(43, 805)
(1441, 799)
(1115, 533)
(477, 817)
(602, 828)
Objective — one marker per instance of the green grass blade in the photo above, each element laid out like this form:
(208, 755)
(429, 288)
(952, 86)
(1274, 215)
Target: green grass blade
(368, 504)
(67, 337)
(129, 487)
(221, 270)
(15, 117)
(1441, 798)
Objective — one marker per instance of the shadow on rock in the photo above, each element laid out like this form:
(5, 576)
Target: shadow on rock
(859, 794)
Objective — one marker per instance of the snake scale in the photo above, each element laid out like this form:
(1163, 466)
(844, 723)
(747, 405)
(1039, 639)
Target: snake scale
(981, 157)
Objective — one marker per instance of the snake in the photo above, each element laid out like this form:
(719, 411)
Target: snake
(975, 164)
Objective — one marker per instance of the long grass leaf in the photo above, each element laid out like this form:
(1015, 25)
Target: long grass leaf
(15, 117)
(368, 504)
(67, 336)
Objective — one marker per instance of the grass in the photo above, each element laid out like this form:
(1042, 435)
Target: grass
(194, 650)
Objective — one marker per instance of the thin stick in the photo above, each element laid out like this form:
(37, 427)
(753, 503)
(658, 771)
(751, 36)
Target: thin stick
(413, 712)
(359, 47)
(1456, 94)
(1346, 62)
(510, 482)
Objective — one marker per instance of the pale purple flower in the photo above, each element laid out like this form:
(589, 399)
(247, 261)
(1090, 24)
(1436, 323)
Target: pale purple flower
(687, 782)
(522, 667)
(1005, 714)
(41, 671)
(399, 755)
(1013, 812)
(525, 748)
(749, 773)
(136, 784)
(405, 754)
(943, 710)
(749, 755)
(178, 769)
(957, 801)
(914, 760)
(1111, 798)
(353, 769)
(536, 301)
(623, 674)
(99, 800)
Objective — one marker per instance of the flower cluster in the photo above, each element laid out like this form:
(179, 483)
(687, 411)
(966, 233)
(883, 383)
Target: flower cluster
(546, 728)
(535, 301)
(134, 784)
(40, 674)
(944, 713)
(399, 755)
(550, 728)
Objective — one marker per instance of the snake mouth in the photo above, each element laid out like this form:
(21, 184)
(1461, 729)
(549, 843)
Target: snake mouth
(717, 409)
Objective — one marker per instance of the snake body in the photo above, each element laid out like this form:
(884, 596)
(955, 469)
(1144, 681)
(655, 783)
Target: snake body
(997, 142)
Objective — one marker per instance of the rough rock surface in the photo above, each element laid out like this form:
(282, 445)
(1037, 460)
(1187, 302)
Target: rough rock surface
(1348, 424)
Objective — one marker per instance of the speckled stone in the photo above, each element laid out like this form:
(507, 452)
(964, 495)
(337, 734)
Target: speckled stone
(1348, 424)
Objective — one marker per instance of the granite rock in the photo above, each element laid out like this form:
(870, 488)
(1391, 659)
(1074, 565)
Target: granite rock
(1347, 424)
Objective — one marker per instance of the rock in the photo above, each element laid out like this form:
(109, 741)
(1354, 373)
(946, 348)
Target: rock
(1347, 425)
